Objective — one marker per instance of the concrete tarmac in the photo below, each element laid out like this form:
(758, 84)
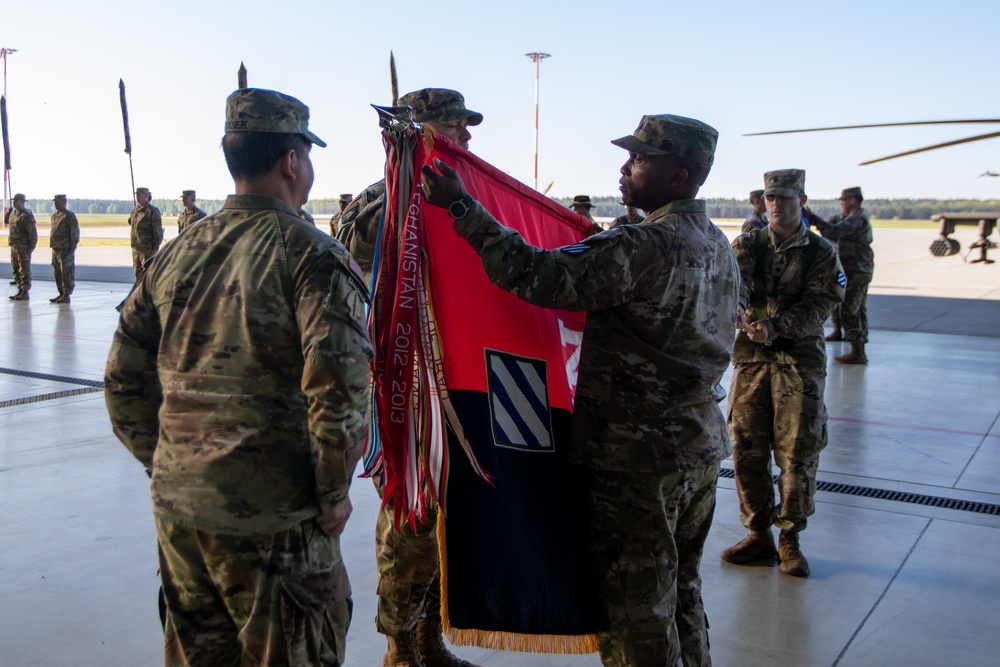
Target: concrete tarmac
(903, 545)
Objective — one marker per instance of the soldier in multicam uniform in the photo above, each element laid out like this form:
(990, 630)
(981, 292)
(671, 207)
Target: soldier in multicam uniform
(247, 405)
(22, 239)
(852, 232)
(758, 218)
(345, 199)
(776, 400)
(191, 213)
(147, 230)
(409, 576)
(63, 240)
(631, 217)
(661, 300)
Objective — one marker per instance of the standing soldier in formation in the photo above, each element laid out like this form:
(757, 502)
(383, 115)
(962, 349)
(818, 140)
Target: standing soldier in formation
(631, 217)
(758, 218)
(63, 239)
(22, 239)
(191, 213)
(409, 575)
(661, 310)
(790, 280)
(345, 199)
(852, 231)
(248, 407)
(147, 229)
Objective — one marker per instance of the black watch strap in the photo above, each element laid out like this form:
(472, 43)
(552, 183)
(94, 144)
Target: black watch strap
(460, 207)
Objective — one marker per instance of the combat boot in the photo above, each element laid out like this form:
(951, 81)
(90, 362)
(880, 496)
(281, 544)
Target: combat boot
(837, 334)
(792, 560)
(62, 298)
(430, 643)
(758, 545)
(22, 295)
(402, 651)
(855, 356)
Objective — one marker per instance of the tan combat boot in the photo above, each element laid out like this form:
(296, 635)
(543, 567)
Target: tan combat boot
(430, 643)
(758, 545)
(837, 334)
(62, 298)
(402, 651)
(22, 295)
(855, 356)
(792, 560)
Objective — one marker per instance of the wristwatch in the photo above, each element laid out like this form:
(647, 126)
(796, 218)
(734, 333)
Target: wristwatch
(460, 207)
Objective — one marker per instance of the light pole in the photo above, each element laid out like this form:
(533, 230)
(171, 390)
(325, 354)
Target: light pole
(537, 58)
(4, 52)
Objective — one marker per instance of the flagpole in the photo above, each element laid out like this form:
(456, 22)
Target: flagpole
(7, 189)
(537, 59)
(128, 136)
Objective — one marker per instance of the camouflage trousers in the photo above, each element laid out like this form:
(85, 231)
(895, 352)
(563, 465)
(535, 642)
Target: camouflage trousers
(852, 314)
(281, 599)
(20, 266)
(409, 576)
(64, 270)
(649, 531)
(141, 255)
(777, 409)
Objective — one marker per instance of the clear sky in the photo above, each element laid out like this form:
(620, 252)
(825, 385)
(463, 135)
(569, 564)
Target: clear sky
(739, 66)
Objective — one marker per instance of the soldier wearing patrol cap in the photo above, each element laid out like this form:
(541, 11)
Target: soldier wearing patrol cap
(191, 213)
(758, 218)
(790, 280)
(345, 200)
(63, 240)
(22, 237)
(661, 300)
(238, 377)
(147, 229)
(852, 232)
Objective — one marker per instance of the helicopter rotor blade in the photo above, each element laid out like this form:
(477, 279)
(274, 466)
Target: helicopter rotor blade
(980, 121)
(956, 142)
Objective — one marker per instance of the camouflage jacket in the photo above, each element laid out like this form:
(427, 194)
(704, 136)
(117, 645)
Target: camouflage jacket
(239, 371)
(661, 318)
(853, 236)
(65, 234)
(188, 217)
(147, 227)
(753, 222)
(335, 222)
(359, 224)
(623, 220)
(797, 306)
(22, 230)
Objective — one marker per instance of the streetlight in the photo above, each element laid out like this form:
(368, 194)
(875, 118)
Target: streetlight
(537, 58)
(4, 52)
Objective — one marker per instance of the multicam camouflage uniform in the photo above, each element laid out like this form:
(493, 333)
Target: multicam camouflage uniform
(345, 200)
(188, 217)
(753, 222)
(625, 220)
(146, 235)
(22, 239)
(853, 236)
(776, 400)
(661, 301)
(63, 240)
(358, 224)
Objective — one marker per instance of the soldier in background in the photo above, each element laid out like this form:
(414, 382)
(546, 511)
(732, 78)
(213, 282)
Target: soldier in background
(409, 575)
(758, 218)
(22, 239)
(790, 280)
(581, 205)
(661, 309)
(345, 199)
(852, 231)
(63, 240)
(248, 407)
(147, 229)
(631, 217)
(191, 213)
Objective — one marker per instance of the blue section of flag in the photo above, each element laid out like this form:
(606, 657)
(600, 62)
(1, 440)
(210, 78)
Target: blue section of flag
(519, 402)
(841, 279)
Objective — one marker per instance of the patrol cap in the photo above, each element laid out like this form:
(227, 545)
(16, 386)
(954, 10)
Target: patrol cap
(259, 110)
(346, 197)
(666, 134)
(142, 191)
(439, 105)
(187, 193)
(581, 200)
(756, 194)
(785, 182)
(59, 198)
(847, 193)
(19, 196)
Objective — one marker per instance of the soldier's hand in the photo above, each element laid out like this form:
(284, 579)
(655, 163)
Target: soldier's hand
(441, 187)
(333, 518)
(760, 332)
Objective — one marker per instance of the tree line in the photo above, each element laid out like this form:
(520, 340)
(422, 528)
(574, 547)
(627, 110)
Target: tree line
(604, 207)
